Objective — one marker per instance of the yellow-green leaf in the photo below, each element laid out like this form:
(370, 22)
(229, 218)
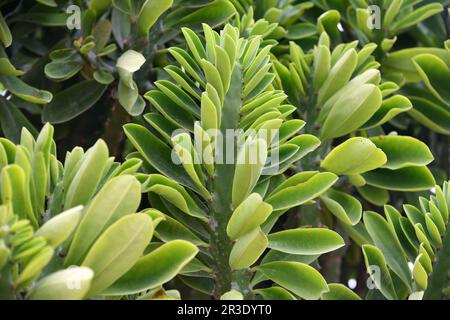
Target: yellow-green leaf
(301, 279)
(354, 156)
(117, 250)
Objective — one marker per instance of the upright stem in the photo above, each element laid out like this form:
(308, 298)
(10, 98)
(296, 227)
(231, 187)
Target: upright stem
(220, 245)
(221, 205)
(220, 248)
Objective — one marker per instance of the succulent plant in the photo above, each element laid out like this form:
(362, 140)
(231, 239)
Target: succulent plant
(224, 149)
(420, 238)
(218, 195)
(72, 230)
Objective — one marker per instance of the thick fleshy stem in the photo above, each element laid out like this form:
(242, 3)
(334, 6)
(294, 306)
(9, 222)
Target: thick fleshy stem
(221, 208)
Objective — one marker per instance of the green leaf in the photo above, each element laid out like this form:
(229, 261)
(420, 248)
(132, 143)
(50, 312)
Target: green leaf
(416, 16)
(437, 217)
(224, 67)
(435, 74)
(392, 11)
(387, 88)
(374, 195)
(274, 293)
(7, 68)
(48, 19)
(420, 275)
(178, 96)
(155, 268)
(160, 123)
(68, 284)
(363, 16)
(322, 65)
(443, 201)
(173, 196)
(117, 250)
(345, 207)
(301, 31)
(250, 214)
(173, 193)
(339, 292)
(5, 33)
(431, 115)
(354, 156)
(59, 228)
(184, 149)
(130, 99)
(103, 77)
(214, 78)
(306, 189)
(119, 197)
(306, 144)
(64, 108)
(433, 231)
(403, 151)
(371, 76)
(274, 255)
(351, 111)
(339, 75)
(40, 179)
(170, 110)
(150, 12)
(127, 64)
(88, 176)
(414, 215)
(328, 22)
(13, 120)
(157, 153)
(99, 6)
(404, 179)
(102, 34)
(301, 279)
(14, 189)
(88, 47)
(306, 241)
(194, 43)
(188, 63)
(247, 249)
(250, 162)
(171, 229)
(402, 61)
(232, 295)
(378, 271)
(423, 239)
(389, 109)
(386, 240)
(212, 14)
(24, 91)
(121, 26)
(62, 70)
(35, 266)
